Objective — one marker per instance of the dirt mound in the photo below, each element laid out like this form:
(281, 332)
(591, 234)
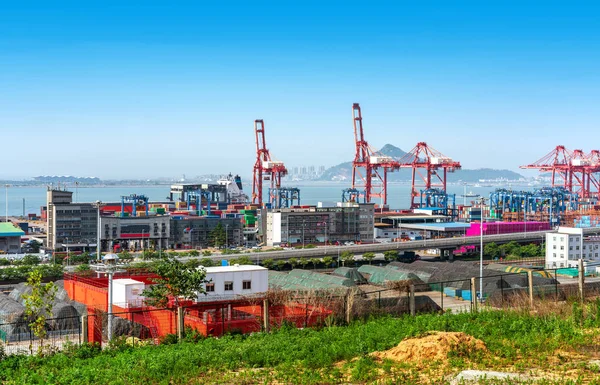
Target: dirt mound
(433, 347)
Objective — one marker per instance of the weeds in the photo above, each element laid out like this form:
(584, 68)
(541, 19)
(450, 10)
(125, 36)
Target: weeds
(310, 356)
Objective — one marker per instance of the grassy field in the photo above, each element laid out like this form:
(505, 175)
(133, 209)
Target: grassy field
(556, 346)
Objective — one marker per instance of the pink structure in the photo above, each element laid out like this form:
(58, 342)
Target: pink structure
(491, 228)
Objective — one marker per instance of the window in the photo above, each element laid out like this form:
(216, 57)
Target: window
(562, 247)
(247, 285)
(554, 255)
(554, 247)
(210, 287)
(229, 286)
(554, 238)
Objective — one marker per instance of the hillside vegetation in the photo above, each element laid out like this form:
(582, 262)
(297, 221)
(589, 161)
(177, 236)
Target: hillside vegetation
(553, 348)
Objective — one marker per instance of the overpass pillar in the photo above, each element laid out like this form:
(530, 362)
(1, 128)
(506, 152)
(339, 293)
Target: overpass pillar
(446, 254)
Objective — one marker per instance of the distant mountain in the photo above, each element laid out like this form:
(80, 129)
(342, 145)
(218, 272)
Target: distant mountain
(393, 151)
(343, 171)
(467, 175)
(66, 179)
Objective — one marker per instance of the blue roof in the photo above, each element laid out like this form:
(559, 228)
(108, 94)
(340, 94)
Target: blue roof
(10, 230)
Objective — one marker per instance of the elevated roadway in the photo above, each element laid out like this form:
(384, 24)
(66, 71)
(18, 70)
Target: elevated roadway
(444, 243)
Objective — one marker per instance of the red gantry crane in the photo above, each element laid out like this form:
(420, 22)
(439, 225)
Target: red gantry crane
(369, 165)
(572, 170)
(264, 168)
(431, 161)
(593, 169)
(557, 162)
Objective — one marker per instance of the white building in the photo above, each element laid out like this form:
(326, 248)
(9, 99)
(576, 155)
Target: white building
(568, 245)
(127, 292)
(225, 282)
(344, 222)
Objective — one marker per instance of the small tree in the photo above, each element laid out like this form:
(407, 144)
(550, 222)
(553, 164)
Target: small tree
(83, 268)
(127, 256)
(327, 261)
(390, 255)
(30, 260)
(38, 306)
(347, 257)
(177, 280)
(35, 246)
(206, 253)
(193, 253)
(280, 264)
(315, 262)
(217, 236)
(492, 250)
(148, 254)
(369, 257)
(207, 262)
(304, 262)
(268, 263)
(293, 262)
(241, 261)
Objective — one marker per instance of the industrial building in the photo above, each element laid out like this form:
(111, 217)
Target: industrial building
(568, 245)
(228, 282)
(135, 233)
(10, 238)
(136, 224)
(194, 232)
(69, 224)
(347, 222)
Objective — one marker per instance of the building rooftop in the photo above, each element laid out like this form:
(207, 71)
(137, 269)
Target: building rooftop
(444, 226)
(229, 269)
(126, 281)
(10, 230)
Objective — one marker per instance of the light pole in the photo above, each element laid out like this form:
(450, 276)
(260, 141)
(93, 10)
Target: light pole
(99, 228)
(67, 244)
(399, 231)
(109, 267)
(482, 200)
(6, 187)
(227, 236)
(303, 226)
(525, 219)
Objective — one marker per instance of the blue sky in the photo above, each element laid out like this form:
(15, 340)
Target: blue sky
(156, 89)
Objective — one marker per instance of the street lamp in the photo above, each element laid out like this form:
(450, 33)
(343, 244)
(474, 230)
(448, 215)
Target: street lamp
(6, 186)
(303, 226)
(525, 219)
(109, 267)
(99, 228)
(482, 200)
(67, 245)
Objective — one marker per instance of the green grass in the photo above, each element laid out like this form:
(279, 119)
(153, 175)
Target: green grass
(308, 356)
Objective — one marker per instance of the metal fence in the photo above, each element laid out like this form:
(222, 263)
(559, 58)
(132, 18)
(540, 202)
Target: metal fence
(304, 309)
(16, 337)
